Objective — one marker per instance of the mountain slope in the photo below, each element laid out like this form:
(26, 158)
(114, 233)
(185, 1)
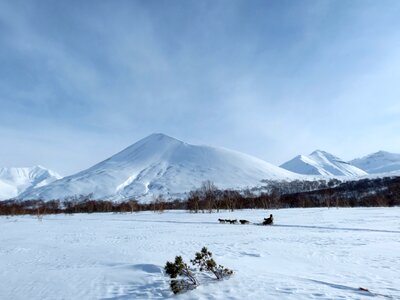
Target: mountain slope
(321, 163)
(159, 164)
(379, 162)
(14, 181)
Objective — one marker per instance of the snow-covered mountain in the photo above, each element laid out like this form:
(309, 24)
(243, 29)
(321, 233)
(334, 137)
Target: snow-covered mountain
(379, 162)
(14, 181)
(321, 163)
(159, 164)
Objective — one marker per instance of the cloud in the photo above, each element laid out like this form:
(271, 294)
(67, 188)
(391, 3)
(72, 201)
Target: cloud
(274, 79)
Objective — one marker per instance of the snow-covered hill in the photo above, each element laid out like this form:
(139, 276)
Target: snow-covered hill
(159, 164)
(321, 163)
(14, 181)
(379, 162)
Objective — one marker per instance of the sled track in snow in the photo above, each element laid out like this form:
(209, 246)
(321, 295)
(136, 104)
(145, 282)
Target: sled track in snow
(251, 223)
(338, 228)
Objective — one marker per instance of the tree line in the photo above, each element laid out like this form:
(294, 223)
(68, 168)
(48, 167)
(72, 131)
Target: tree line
(208, 198)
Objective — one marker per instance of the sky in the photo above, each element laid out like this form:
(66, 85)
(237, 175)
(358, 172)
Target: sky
(81, 80)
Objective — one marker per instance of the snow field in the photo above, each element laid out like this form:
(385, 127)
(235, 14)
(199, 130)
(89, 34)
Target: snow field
(314, 253)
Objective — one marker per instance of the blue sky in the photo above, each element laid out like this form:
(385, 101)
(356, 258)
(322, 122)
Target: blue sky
(81, 80)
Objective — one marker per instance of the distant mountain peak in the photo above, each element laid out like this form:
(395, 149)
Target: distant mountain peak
(378, 162)
(157, 138)
(160, 136)
(381, 153)
(160, 164)
(14, 181)
(320, 162)
(318, 151)
(322, 153)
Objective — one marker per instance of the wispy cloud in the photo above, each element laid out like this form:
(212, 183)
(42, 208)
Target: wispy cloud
(81, 80)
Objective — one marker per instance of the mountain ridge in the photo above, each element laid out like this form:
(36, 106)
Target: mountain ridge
(378, 162)
(14, 180)
(160, 164)
(323, 163)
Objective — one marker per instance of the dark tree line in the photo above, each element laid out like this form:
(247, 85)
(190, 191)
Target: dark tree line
(295, 186)
(365, 192)
(40, 207)
(208, 198)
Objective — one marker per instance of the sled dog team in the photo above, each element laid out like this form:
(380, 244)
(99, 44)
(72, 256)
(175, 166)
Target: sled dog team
(267, 221)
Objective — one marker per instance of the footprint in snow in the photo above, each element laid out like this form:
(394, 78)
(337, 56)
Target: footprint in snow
(147, 268)
(250, 254)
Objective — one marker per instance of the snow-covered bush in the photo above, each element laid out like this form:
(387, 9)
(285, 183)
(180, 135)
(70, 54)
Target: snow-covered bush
(205, 262)
(182, 278)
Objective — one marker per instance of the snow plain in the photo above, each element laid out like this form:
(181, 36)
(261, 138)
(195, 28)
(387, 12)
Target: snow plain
(314, 253)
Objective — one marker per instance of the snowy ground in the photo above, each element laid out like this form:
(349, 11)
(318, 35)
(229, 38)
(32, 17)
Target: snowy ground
(308, 254)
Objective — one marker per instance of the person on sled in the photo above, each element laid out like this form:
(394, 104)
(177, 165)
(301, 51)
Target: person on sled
(268, 221)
